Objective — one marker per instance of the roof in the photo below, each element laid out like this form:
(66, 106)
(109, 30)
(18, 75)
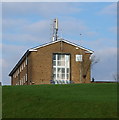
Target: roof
(35, 49)
(66, 41)
(19, 63)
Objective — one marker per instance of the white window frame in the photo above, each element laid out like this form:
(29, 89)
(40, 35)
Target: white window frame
(79, 58)
(64, 66)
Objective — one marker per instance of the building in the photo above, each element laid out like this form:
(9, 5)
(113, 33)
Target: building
(57, 62)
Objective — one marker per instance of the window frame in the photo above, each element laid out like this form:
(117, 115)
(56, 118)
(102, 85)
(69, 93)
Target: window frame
(62, 66)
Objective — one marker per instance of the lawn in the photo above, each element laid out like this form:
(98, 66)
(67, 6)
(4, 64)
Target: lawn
(94, 100)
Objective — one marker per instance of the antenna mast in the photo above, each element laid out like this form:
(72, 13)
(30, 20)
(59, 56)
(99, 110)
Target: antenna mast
(55, 30)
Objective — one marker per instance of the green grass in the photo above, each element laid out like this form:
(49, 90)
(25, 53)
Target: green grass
(60, 101)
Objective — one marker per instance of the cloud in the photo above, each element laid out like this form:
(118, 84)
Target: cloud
(11, 24)
(100, 43)
(11, 55)
(36, 32)
(92, 33)
(73, 26)
(107, 65)
(110, 9)
(41, 31)
(40, 9)
(113, 30)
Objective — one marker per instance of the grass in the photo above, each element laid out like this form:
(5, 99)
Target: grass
(97, 100)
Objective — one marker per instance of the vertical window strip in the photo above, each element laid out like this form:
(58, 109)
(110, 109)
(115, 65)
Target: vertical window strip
(26, 61)
(26, 77)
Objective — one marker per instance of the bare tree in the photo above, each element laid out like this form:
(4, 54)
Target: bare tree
(116, 77)
(86, 64)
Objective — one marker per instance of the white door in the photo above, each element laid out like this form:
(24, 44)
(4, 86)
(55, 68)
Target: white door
(61, 68)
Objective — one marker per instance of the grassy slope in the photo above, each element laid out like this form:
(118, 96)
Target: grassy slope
(60, 101)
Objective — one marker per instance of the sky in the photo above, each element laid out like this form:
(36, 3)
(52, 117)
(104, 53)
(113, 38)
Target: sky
(26, 25)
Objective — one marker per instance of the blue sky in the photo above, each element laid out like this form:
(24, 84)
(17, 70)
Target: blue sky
(26, 25)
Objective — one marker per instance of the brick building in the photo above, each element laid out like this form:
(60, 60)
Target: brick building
(57, 62)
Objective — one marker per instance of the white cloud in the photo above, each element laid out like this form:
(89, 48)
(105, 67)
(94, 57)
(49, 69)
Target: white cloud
(13, 24)
(113, 30)
(100, 43)
(107, 65)
(40, 8)
(92, 33)
(41, 31)
(11, 55)
(110, 9)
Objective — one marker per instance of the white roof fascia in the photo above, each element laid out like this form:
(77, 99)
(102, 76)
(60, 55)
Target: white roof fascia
(90, 51)
(34, 49)
(44, 45)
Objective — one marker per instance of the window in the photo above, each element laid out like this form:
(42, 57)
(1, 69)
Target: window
(18, 71)
(26, 61)
(26, 77)
(79, 58)
(61, 67)
(24, 64)
(15, 74)
(20, 82)
(20, 68)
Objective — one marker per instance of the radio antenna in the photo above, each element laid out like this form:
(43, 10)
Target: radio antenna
(55, 30)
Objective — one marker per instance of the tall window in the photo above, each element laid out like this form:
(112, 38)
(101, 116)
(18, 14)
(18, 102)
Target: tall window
(61, 67)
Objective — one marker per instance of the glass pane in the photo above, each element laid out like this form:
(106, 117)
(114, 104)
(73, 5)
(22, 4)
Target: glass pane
(54, 63)
(67, 61)
(59, 76)
(67, 57)
(62, 63)
(67, 64)
(54, 76)
(67, 70)
(63, 57)
(54, 70)
(58, 63)
(59, 57)
(63, 76)
(59, 71)
(54, 57)
(67, 76)
(63, 70)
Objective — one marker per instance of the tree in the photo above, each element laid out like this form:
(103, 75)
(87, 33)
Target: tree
(116, 77)
(87, 63)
